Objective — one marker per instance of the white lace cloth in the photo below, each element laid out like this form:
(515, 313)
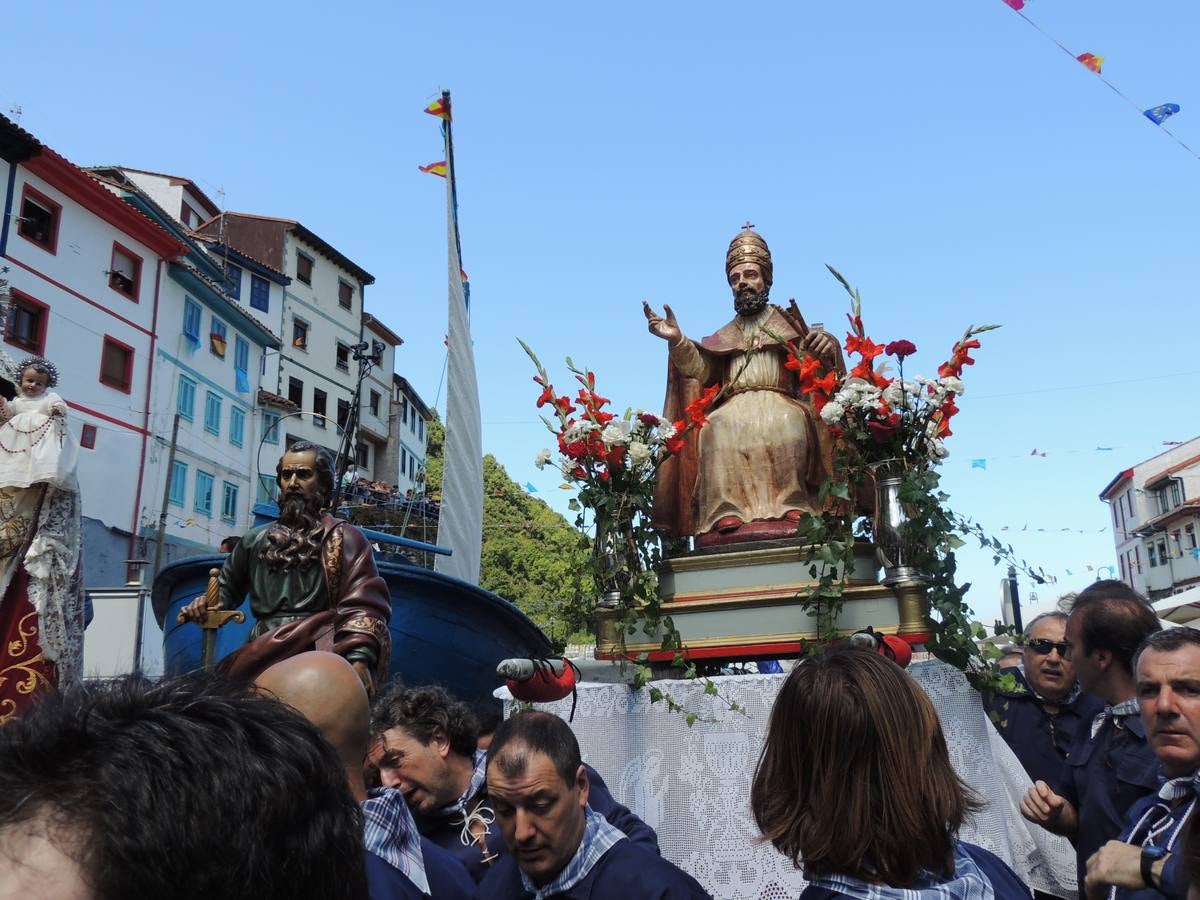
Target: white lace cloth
(692, 785)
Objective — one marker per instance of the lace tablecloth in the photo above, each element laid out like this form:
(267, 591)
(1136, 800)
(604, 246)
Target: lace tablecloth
(692, 785)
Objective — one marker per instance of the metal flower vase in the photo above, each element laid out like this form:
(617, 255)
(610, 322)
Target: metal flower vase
(611, 574)
(892, 549)
(895, 554)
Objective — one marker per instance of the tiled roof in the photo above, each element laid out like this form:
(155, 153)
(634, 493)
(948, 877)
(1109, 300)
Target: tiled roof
(307, 235)
(266, 398)
(215, 243)
(191, 185)
(1178, 467)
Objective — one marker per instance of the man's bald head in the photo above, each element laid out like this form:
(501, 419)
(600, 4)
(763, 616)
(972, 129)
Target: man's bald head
(326, 690)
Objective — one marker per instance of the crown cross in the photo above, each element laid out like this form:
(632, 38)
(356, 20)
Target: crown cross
(748, 225)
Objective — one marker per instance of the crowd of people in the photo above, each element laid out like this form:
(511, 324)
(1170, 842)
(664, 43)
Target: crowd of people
(298, 784)
(358, 491)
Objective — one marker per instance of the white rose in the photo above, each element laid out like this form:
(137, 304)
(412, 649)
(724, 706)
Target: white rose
(666, 430)
(833, 412)
(614, 433)
(541, 459)
(638, 453)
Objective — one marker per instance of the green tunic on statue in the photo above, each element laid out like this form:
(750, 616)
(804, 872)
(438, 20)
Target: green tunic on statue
(276, 597)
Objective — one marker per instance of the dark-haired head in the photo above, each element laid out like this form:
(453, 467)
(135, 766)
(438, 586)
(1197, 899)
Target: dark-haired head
(40, 365)
(423, 742)
(855, 778)
(1108, 622)
(535, 732)
(304, 475)
(188, 788)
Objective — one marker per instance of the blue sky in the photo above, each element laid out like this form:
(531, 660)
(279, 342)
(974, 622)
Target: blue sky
(949, 159)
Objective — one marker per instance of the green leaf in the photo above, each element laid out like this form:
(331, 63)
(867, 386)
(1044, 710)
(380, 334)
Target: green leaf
(709, 688)
(690, 718)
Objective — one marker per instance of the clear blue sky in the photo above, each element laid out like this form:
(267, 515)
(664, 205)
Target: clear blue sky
(949, 159)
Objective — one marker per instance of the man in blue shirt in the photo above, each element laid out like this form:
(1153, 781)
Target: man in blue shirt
(1041, 719)
(1146, 862)
(558, 847)
(425, 744)
(1110, 767)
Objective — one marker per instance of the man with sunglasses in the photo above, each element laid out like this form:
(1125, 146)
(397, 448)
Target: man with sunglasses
(1111, 766)
(1146, 863)
(1041, 719)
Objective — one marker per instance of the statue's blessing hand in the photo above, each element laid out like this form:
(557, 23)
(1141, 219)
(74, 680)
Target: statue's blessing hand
(665, 328)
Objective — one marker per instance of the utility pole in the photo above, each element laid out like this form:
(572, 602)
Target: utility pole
(158, 547)
(1015, 599)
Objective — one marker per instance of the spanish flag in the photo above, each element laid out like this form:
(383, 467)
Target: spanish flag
(439, 108)
(1091, 61)
(437, 168)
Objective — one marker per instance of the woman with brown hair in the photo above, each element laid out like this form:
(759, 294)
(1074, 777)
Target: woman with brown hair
(855, 785)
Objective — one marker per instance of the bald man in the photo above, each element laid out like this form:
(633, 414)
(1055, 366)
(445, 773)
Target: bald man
(327, 691)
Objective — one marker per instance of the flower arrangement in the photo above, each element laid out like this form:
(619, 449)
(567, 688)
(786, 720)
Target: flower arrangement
(612, 461)
(886, 419)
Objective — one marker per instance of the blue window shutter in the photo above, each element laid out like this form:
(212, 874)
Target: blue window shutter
(237, 426)
(186, 401)
(270, 428)
(260, 293)
(178, 483)
(204, 493)
(212, 413)
(191, 321)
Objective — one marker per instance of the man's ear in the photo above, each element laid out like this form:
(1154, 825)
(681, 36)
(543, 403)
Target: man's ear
(582, 784)
(1104, 660)
(440, 741)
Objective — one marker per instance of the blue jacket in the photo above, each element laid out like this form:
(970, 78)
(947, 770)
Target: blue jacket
(1168, 834)
(1105, 776)
(628, 871)
(448, 835)
(1005, 882)
(1041, 741)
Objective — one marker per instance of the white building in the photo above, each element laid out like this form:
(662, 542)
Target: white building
(410, 422)
(211, 353)
(87, 273)
(1156, 515)
(320, 321)
(377, 454)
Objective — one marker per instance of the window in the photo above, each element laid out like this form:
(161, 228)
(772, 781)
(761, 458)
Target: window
(345, 295)
(270, 428)
(212, 413)
(360, 455)
(412, 421)
(296, 392)
(299, 334)
(229, 494)
(204, 493)
(403, 460)
(241, 364)
(266, 489)
(343, 357)
(191, 321)
(412, 467)
(125, 272)
(374, 403)
(39, 219)
(1176, 494)
(260, 293)
(27, 320)
(421, 429)
(237, 426)
(233, 281)
(189, 216)
(217, 338)
(1122, 561)
(185, 402)
(343, 413)
(178, 483)
(304, 267)
(116, 365)
(1162, 553)
(1152, 554)
(87, 437)
(404, 409)
(318, 408)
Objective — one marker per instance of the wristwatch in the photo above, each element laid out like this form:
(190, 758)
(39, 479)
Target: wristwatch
(1150, 855)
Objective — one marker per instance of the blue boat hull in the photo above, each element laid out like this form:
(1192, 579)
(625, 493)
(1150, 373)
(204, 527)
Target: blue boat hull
(444, 631)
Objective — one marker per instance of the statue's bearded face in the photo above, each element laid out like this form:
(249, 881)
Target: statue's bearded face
(295, 540)
(750, 289)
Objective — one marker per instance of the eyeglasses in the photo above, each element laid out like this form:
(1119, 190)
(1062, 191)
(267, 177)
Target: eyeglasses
(1043, 646)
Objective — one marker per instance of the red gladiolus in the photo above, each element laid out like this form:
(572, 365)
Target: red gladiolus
(838, 433)
(547, 396)
(819, 401)
(674, 445)
(695, 410)
(863, 346)
(827, 383)
(900, 349)
(602, 418)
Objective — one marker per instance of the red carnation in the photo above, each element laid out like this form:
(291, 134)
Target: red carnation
(900, 349)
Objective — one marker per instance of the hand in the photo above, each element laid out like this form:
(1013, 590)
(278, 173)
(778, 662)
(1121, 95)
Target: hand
(58, 411)
(822, 345)
(1042, 806)
(194, 611)
(364, 674)
(1115, 863)
(667, 329)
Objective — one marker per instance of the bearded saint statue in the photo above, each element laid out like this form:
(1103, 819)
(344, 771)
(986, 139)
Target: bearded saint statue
(753, 470)
(311, 578)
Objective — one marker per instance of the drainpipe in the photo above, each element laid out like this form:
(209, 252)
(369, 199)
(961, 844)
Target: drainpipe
(8, 202)
(137, 497)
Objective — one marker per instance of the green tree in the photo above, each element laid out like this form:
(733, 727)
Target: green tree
(531, 555)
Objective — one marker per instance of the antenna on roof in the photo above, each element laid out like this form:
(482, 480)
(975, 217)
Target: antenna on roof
(15, 112)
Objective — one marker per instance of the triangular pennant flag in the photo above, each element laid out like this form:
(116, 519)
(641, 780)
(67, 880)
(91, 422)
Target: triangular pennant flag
(1018, 5)
(979, 464)
(1162, 112)
(1091, 61)
(439, 108)
(529, 487)
(435, 168)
